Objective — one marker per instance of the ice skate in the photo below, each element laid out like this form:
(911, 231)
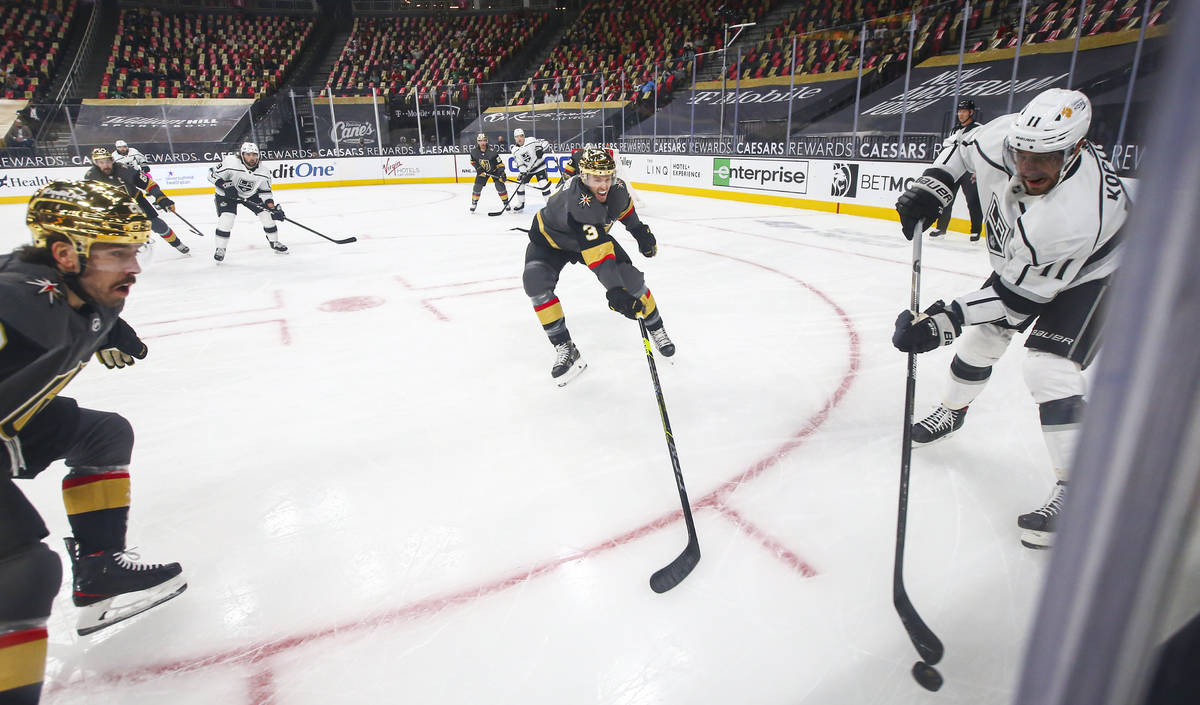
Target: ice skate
(974, 237)
(567, 363)
(662, 342)
(938, 425)
(278, 246)
(111, 586)
(219, 254)
(1037, 527)
(183, 249)
(938, 233)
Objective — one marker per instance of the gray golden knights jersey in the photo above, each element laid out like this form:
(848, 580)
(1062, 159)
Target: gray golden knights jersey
(574, 221)
(246, 182)
(44, 342)
(1037, 245)
(531, 156)
(133, 158)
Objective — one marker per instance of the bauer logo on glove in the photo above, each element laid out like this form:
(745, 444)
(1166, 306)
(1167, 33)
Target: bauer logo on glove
(938, 326)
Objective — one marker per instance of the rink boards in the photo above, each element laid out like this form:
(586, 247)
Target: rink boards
(867, 188)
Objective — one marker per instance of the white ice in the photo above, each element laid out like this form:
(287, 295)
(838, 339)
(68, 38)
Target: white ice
(378, 496)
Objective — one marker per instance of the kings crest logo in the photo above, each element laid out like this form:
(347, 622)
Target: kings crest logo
(845, 180)
(998, 230)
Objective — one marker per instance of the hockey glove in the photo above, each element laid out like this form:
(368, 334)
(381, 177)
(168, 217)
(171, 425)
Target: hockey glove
(226, 186)
(938, 326)
(276, 212)
(166, 204)
(123, 346)
(647, 245)
(624, 303)
(924, 200)
(255, 205)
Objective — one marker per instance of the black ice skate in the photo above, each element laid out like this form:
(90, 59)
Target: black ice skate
(938, 425)
(278, 246)
(111, 586)
(219, 254)
(662, 342)
(183, 249)
(1037, 527)
(938, 233)
(567, 363)
(474, 206)
(974, 237)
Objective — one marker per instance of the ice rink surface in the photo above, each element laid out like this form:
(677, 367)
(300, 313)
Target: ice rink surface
(378, 496)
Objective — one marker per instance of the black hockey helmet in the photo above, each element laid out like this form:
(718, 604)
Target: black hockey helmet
(966, 104)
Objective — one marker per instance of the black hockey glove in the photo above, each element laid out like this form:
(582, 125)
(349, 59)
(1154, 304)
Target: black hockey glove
(123, 346)
(924, 200)
(276, 212)
(624, 303)
(226, 186)
(938, 326)
(647, 245)
(166, 204)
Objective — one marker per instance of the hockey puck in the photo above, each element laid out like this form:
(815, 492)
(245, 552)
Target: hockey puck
(927, 676)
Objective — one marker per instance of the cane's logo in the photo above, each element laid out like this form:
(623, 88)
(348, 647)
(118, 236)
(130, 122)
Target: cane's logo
(845, 180)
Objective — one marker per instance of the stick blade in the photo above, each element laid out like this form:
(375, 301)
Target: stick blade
(346, 240)
(928, 646)
(675, 571)
(499, 212)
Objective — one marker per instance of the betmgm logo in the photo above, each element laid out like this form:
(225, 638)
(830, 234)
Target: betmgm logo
(845, 180)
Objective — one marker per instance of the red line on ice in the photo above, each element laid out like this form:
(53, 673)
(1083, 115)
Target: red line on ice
(262, 681)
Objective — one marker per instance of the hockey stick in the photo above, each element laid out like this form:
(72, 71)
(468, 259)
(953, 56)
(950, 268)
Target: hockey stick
(194, 229)
(258, 209)
(928, 646)
(508, 203)
(674, 572)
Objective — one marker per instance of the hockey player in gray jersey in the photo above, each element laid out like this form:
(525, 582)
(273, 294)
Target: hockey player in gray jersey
(529, 153)
(130, 156)
(138, 185)
(1054, 208)
(60, 303)
(243, 179)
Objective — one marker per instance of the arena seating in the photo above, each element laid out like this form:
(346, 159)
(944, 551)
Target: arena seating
(33, 34)
(641, 47)
(1050, 20)
(442, 56)
(193, 55)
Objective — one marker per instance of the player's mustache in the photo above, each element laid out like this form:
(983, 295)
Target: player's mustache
(128, 280)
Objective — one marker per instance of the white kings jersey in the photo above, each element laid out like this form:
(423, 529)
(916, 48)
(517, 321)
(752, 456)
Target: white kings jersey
(1038, 245)
(133, 158)
(531, 156)
(246, 182)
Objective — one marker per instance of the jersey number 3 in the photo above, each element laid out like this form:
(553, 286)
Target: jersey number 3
(591, 233)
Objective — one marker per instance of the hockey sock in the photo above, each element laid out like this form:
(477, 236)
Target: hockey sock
(1060, 427)
(97, 502)
(550, 313)
(966, 382)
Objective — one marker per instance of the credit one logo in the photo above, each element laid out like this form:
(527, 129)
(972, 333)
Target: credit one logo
(303, 170)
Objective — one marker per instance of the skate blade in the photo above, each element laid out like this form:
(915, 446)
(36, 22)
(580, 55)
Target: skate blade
(104, 614)
(571, 374)
(934, 442)
(1037, 540)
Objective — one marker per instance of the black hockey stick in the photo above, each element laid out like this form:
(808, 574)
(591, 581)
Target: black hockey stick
(259, 208)
(668, 577)
(520, 182)
(928, 646)
(195, 230)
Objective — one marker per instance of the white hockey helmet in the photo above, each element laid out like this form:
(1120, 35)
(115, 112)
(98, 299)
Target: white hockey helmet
(248, 148)
(1054, 121)
(120, 143)
(518, 133)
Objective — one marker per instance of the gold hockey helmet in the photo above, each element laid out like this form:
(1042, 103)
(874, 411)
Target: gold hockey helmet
(101, 153)
(481, 137)
(86, 213)
(598, 162)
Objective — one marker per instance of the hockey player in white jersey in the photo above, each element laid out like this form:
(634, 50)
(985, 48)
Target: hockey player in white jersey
(1054, 208)
(243, 179)
(529, 153)
(130, 156)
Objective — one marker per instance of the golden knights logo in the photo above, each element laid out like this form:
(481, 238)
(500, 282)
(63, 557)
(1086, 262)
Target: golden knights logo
(998, 230)
(51, 289)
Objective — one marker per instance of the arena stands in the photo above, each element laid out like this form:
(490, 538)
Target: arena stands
(1050, 20)
(627, 41)
(444, 56)
(33, 33)
(193, 55)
